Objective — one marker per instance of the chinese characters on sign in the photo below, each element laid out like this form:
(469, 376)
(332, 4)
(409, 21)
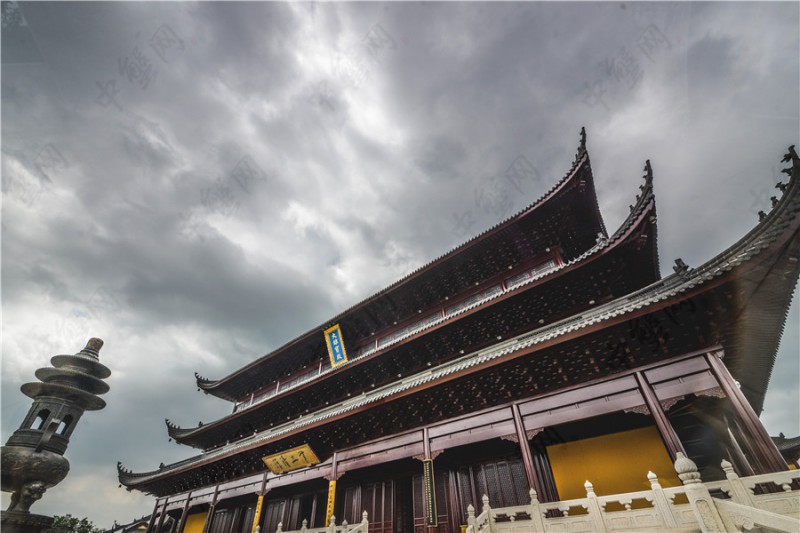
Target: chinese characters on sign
(331, 501)
(430, 494)
(283, 462)
(336, 351)
(257, 518)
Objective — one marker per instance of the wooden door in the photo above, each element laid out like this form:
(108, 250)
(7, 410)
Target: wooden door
(503, 481)
(378, 500)
(246, 521)
(223, 520)
(273, 514)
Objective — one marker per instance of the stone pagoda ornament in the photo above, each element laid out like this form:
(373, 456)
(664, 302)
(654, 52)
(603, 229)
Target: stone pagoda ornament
(33, 458)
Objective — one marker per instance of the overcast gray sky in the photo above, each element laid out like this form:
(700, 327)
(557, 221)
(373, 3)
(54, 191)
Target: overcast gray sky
(198, 183)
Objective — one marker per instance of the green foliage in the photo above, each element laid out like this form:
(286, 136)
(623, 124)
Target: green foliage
(78, 525)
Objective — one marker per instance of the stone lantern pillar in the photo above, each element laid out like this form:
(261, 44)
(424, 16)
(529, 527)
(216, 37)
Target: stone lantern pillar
(33, 458)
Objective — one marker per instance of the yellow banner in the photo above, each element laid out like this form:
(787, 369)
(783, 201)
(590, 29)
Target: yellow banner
(283, 462)
(257, 517)
(331, 502)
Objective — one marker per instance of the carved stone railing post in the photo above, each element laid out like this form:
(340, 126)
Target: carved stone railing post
(705, 510)
(364, 520)
(304, 525)
(537, 517)
(280, 528)
(487, 510)
(595, 512)
(739, 492)
(661, 502)
(258, 529)
(471, 527)
(332, 525)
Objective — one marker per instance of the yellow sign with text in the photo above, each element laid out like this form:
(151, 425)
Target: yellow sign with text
(257, 517)
(331, 501)
(283, 462)
(335, 343)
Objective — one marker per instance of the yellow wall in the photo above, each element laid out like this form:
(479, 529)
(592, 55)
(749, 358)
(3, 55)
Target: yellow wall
(194, 523)
(614, 463)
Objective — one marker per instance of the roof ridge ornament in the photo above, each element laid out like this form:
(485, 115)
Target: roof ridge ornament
(792, 156)
(648, 173)
(681, 268)
(582, 148)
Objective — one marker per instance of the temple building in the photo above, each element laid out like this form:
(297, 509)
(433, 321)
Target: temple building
(537, 355)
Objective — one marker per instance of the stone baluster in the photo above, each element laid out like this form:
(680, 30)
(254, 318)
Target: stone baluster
(661, 502)
(332, 526)
(258, 529)
(595, 512)
(739, 493)
(280, 528)
(703, 506)
(537, 516)
(471, 519)
(487, 510)
(304, 525)
(364, 520)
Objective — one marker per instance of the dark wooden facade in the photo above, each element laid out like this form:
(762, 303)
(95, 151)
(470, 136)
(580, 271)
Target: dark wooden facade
(497, 361)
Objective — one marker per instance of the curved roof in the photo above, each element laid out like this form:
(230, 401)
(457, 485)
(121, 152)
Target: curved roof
(527, 232)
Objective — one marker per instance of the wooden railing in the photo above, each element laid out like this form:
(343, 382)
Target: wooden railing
(770, 501)
(344, 527)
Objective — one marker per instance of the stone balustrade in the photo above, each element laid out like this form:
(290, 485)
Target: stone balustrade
(344, 527)
(769, 501)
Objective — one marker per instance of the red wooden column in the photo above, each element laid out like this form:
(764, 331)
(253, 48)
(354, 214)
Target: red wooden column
(769, 458)
(184, 513)
(525, 448)
(668, 435)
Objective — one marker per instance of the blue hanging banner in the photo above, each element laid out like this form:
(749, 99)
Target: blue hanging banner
(336, 351)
